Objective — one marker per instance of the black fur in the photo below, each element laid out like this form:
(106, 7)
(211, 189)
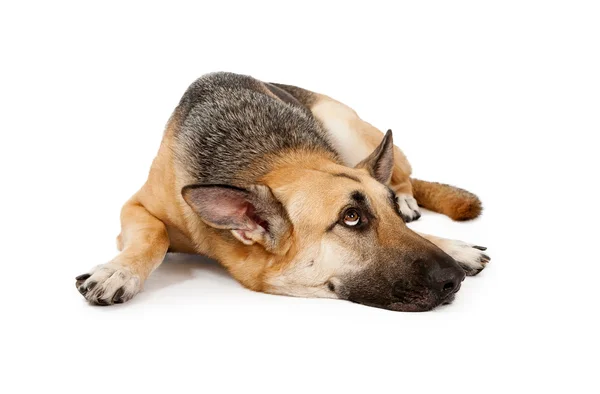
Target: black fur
(228, 123)
(358, 197)
(304, 96)
(393, 200)
(283, 95)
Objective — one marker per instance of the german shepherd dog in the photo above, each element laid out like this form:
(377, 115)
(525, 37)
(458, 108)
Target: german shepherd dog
(294, 194)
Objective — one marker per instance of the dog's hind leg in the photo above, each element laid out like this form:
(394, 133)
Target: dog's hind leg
(143, 243)
(354, 139)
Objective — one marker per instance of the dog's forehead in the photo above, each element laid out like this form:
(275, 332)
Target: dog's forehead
(315, 191)
(319, 195)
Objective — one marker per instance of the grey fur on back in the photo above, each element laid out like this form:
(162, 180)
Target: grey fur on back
(227, 123)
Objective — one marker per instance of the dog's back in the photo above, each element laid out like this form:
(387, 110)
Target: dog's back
(230, 124)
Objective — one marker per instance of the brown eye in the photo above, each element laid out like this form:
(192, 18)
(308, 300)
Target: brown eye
(351, 217)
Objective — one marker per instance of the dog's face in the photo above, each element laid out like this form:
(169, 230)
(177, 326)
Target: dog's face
(334, 232)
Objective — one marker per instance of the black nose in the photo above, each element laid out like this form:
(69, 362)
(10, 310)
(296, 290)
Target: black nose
(445, 279)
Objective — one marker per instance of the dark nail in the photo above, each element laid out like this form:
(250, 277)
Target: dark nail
(83, 277)
(118, 297)
(91, 285)
(477, 272)
(485, 257)
(82, 290)
(102, 302)
(480, 247)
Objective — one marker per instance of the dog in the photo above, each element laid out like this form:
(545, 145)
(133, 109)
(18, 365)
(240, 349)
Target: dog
(295, 195)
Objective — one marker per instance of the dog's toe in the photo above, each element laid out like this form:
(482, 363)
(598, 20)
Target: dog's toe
(118, 297)
(470, 257)
(80, 279)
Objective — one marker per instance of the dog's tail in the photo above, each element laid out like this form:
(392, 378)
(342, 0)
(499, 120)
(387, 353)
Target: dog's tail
(456, 203)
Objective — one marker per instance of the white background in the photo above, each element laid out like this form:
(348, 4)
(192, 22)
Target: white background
(499, 98)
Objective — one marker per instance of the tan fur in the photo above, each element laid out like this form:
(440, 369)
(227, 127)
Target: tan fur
(157, 219)
(456, 203)
(355, 139)
(310, 212)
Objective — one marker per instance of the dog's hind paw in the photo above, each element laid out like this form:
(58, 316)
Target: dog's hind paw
(408, 207)
(470, 257)
(108, 284)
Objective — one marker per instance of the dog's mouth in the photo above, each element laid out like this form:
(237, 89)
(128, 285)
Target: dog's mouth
(423, 306)
(417, 302)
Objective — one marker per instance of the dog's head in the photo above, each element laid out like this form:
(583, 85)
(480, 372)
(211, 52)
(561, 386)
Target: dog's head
(333, 231)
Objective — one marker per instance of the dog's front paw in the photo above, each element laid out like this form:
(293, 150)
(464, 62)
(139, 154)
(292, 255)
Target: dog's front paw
(408, 207)
(108, 284)
(470, 257)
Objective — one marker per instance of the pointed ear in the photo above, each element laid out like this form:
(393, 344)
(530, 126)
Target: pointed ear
(380, 163)
(253, 214)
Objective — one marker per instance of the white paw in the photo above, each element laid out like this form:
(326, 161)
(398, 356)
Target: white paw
(108, 284)
(470, 257)
(408, 207)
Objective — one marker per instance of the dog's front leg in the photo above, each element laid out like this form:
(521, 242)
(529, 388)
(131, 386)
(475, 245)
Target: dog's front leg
(143, 243)
(470, 257)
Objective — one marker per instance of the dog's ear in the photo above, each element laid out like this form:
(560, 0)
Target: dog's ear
(380, 163)
(252, 214)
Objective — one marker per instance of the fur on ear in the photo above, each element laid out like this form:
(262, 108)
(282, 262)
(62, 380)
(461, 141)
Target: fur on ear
(380, 163)
(253, 215)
